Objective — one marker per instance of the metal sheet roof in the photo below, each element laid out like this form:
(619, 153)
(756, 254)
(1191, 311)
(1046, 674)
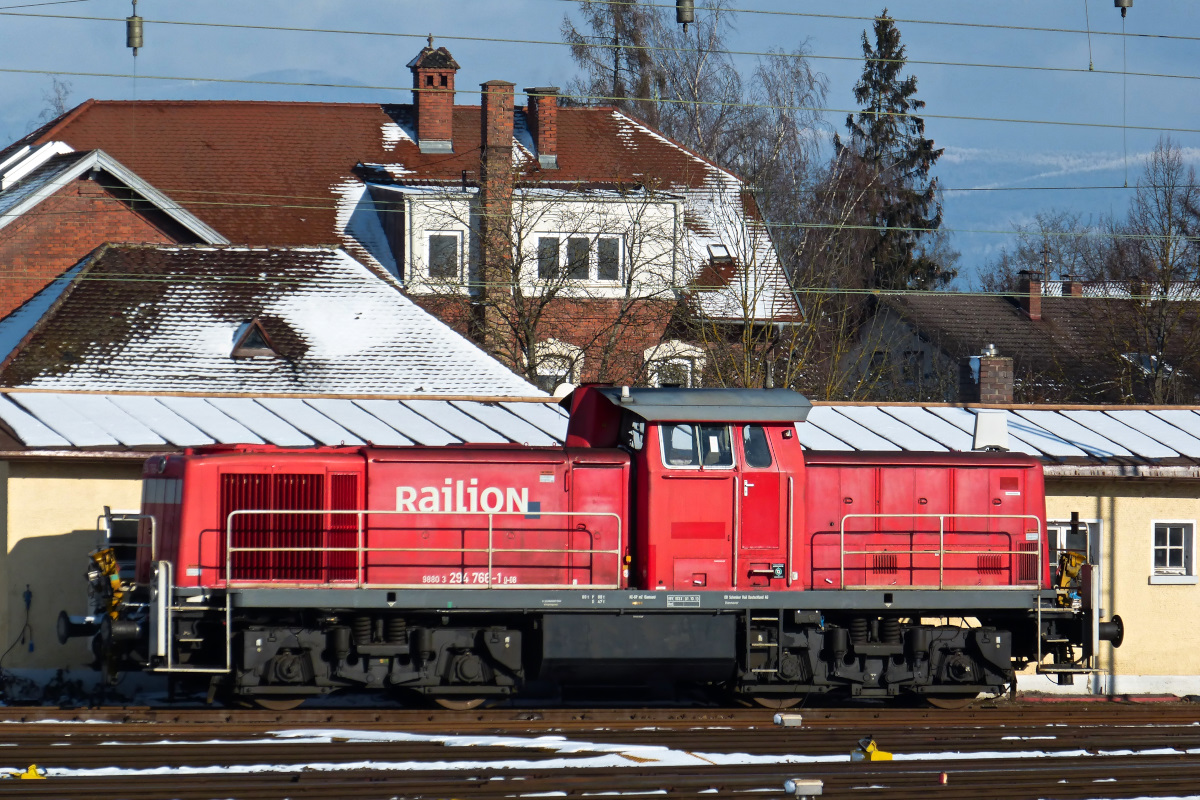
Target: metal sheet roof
(1131, 441)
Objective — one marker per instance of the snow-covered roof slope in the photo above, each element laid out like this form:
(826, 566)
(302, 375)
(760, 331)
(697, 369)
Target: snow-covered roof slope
(167, 318)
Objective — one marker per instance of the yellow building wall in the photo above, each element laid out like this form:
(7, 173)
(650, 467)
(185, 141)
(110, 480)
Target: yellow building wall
(49, 513)
(1159, 653)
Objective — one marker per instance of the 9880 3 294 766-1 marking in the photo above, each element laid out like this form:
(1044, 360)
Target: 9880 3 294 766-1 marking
(500, 579)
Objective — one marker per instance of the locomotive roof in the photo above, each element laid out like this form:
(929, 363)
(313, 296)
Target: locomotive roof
(711, 405)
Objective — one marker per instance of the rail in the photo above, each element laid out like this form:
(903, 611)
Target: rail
(941, 552)
(361, 550)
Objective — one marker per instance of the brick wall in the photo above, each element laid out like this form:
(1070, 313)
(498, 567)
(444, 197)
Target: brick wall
(613, 342)
(54, 235)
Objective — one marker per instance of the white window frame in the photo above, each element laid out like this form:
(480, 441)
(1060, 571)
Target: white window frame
(555, 350)
(457, 234)
(593, 257)
(675, 352)
(1188, 576)
(1057, 529)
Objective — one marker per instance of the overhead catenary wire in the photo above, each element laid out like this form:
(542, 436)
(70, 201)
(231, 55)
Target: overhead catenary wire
(1088, 233)
(608, 98)
(814, 15)
(601, 45)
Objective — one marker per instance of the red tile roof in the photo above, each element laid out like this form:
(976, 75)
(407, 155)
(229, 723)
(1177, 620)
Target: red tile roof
(262, 172)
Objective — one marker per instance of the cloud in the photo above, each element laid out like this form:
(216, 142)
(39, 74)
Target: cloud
(1049, 164)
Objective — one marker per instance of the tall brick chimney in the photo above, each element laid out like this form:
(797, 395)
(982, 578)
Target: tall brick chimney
(542, 114)
(986, 378)
(1031, 294)
(433, 98)
(495, 211)
(1072, 286)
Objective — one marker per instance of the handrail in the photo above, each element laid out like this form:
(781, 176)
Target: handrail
(941, 550)
(362, 550)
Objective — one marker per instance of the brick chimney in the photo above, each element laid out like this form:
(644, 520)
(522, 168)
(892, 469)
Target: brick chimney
(986, 378)
(1072, 286)
(1031, 294)
(542, 116)
(433, 98)
(495, 210)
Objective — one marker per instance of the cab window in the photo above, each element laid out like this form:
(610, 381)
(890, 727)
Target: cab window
(754, 445)
(688, 444)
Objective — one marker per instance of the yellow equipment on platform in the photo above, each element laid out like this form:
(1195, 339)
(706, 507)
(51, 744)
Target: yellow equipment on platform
(869, 751)
(31, 774)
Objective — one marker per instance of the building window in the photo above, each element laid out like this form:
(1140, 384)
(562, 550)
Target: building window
(594, 258)
(557, 363)
(674, 365)
(1085, 541)
(1173, 547)
(445, 255)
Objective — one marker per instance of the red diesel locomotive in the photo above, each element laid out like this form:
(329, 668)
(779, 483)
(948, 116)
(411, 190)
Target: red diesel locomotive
(679, 537)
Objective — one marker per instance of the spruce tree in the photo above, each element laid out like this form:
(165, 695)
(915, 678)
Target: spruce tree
(889, 153)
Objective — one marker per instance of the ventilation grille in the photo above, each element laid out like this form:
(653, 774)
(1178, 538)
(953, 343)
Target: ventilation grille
(275, 492)
(883, 564)
(988, 564)
(343, 528)
(1027, 565)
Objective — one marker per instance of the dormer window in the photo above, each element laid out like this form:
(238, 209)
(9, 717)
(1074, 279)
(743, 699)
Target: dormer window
(252, 341)
(719, 254)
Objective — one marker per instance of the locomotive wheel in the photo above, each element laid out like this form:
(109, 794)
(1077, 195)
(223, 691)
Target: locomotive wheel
(278, 702)
(464, 704)
(950, 702)
(776, 703)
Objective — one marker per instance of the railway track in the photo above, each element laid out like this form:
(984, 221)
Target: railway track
(1009, 750)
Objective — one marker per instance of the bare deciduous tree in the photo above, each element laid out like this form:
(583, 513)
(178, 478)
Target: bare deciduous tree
(588, 271)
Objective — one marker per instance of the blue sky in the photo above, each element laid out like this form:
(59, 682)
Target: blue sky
(1013, 159)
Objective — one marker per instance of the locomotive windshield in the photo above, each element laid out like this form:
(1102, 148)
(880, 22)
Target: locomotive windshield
(687, 444)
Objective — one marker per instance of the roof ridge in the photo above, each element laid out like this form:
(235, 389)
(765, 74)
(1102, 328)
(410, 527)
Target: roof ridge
(63, 120)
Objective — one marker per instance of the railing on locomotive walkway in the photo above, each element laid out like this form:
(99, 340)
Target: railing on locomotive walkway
(361, 551)
(1017, 558)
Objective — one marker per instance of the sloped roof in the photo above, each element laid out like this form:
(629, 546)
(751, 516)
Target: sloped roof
(73, 421)
(1113, 441)
(165, 318)
(276, 172)
(1096, 441)
(46, 175)
(1073, 345)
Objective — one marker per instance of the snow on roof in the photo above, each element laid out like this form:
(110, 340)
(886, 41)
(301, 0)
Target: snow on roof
(211, 153)
(164, 319)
